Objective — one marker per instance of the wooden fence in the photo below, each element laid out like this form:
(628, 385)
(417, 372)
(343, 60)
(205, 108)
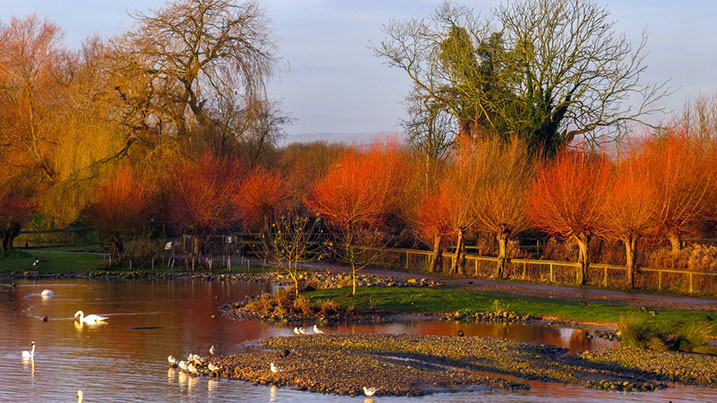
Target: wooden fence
(555, 272)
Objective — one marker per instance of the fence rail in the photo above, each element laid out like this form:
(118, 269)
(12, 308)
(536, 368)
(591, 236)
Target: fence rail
(556, 272)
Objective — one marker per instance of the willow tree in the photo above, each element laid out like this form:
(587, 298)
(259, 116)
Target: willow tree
(186, 66)
(545, 70)
(565, 197)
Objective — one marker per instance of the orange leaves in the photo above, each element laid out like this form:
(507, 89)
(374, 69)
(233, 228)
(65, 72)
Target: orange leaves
(263, 195)
(432, 215)
(201, 193)
(122, 205)
(566, 194)
(362, 188)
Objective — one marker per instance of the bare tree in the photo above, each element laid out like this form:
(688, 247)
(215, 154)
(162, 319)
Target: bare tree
(549, 70)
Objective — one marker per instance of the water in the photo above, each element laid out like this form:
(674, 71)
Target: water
(125, 359)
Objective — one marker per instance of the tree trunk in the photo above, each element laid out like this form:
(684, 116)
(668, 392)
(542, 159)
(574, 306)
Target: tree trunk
(436, 256)
(457, 260)
(502, 238)
(630, 259)
(675, 240)
(583, 259)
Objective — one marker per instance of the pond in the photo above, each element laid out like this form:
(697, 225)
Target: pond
(126, 358)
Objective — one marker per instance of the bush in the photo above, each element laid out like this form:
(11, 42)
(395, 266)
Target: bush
(637, 331)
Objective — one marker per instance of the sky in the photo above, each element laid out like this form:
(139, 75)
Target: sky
(334, 87)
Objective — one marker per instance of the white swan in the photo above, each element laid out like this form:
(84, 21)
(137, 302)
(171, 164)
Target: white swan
(47, 293)
(80, 396)
(29, 354)
(369, 391)
(317, 330)
(89, 319)
(274, 368)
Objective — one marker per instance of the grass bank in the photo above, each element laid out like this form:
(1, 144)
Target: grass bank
(63, 260)
(456, 300)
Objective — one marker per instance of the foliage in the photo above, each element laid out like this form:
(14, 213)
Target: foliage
(640, 332)
(565, 198)
(263, 196)
(360, 194)
(200, 193)
(637, 331)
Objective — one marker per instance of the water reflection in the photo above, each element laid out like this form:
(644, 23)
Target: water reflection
(126, 358)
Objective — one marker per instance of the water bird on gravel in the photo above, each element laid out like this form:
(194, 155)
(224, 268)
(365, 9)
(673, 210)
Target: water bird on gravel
(301, 330)
(296, 331)
(172, 361)
(274, 368)
(283, 353)
(369, 391)
(212, 367)
(80, 396)
(89, 319)
(212, 350)
(47, 293)
(182, 365)
(317, 330)
(29, 354)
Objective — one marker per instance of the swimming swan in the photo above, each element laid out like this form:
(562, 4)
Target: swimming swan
(29, 354)
(89, 319)
(47, 293)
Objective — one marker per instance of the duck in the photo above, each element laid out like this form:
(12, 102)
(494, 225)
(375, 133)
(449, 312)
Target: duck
(36, 262)
(47, 293)
(89, 319)
(369, 391)
(172, 361)
(212, 350)
(80, 396)
(45, 318)
(317, 330)
(274, 368)
(29, 354)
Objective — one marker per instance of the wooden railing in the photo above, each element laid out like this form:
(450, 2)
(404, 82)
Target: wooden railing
(557, 272)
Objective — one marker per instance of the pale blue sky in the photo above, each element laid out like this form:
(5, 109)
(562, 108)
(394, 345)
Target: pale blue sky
(336, 89)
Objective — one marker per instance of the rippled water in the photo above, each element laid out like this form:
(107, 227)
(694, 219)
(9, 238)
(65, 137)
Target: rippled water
(125, 359)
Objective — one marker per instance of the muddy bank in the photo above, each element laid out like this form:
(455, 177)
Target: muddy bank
(406, 365)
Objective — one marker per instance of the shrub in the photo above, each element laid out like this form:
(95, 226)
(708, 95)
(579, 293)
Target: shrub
(637, 331)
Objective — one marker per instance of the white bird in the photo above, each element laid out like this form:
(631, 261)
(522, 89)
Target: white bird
(212, 350)
(36, 262)
(317, 330)
(302, 331)
(182, 365)
(296, 331)
(172, 361)
(47, 293)
(369, 391)
(192, 369)
(212, 367)
(274, 368)
(29, 354)
(80, 396)
(89, 319)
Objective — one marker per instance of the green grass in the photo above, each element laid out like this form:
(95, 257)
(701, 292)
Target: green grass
(58, 260)
(19, 261)
(450, 300)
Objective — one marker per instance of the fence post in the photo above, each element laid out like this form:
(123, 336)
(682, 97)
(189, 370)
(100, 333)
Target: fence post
(551, 273)
(476, 266)
(524, 268)
(407, 260)
(604, 282)
(659, 280)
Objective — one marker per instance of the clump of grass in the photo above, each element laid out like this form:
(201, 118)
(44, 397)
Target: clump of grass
(329, 307)
(637, 331)
(693, 337)
(14, 254)
(499, 307)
